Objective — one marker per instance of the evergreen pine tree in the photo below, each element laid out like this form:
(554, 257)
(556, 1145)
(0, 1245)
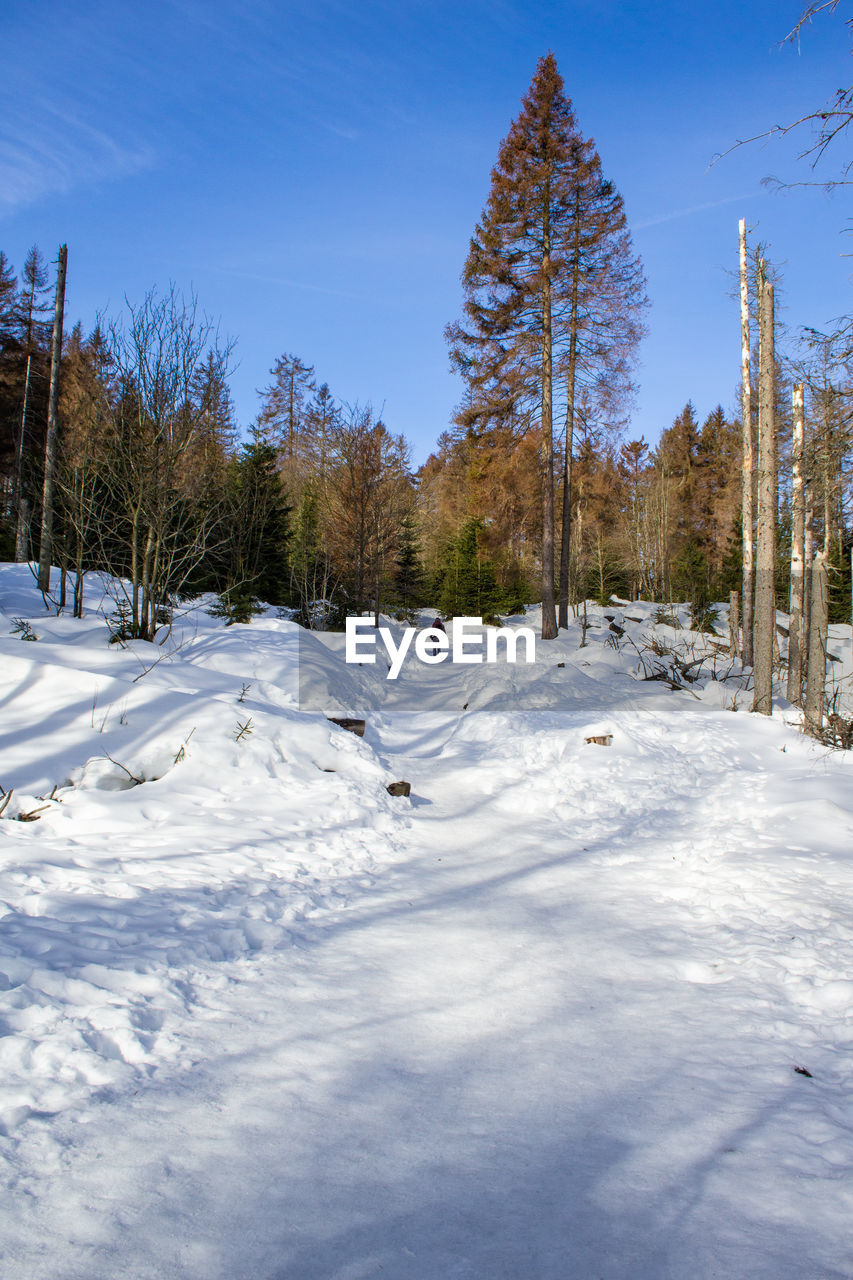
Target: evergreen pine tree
(30, 381)
(552, 294)
(409, 580)
(469, 585)
(283, 408)
(509, 281)
(8, 293)
(256, 536)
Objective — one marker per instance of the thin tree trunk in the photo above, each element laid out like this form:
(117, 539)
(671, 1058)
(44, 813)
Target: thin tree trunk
(135, 574)
(566, 530)
(798, 535)
(21, 505)
(291, 425)
(748, 467)
(377, 582)
(734, 628)
(818, 628)
(765, 605)
(145, 608)
(807, 581)
(155, 593)
(827, 479)
(549, 616)
(22, 532)
(46, 546)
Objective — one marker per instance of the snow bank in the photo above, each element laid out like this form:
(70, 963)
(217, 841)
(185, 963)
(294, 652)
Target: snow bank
(574, 1008)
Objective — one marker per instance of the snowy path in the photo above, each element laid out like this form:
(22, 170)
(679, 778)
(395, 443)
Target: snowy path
(538, 1023)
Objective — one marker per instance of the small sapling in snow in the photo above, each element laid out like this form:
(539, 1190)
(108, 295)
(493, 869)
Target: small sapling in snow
(22, 628)
(182, 750)
(243, 730)
(103, 724)
(120, 624)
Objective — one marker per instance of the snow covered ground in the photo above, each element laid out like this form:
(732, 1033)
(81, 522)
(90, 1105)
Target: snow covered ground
(542, 1020)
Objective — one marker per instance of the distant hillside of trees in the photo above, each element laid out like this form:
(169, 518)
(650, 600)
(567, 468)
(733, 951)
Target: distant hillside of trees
(536, 492)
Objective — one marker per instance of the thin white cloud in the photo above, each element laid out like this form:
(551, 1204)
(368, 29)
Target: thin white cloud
(686, 213)
(351, 135)
(53, 151)
(284, 281)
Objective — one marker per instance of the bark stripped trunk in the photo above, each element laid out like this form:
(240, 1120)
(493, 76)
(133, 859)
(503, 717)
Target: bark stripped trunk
(818, 628)
(765, 604)
(46, 546)
(549, 617)
(798, 534)
(747, 477)
(807, 587)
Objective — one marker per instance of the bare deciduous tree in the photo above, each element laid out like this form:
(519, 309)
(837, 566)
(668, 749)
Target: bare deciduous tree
(368, 496)
(159, 491)
(828, 122)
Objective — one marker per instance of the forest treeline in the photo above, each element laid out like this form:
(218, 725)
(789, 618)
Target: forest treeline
(537, 492)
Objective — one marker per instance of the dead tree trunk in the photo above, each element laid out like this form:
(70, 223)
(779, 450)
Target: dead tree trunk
(46, 546)
(818, 628)
(22, 505)
(765, 603)
(734, 627)
(807, 584)
(748, 466)
(798, 538)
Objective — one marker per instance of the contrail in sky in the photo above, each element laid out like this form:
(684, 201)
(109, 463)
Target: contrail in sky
(685, 213)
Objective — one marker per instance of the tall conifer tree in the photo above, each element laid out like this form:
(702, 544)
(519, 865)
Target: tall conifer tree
(283, 408)
(549, 270)
(509, 282)
(601, 299)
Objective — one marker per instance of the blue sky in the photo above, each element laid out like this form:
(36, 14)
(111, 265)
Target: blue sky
(314, 170)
